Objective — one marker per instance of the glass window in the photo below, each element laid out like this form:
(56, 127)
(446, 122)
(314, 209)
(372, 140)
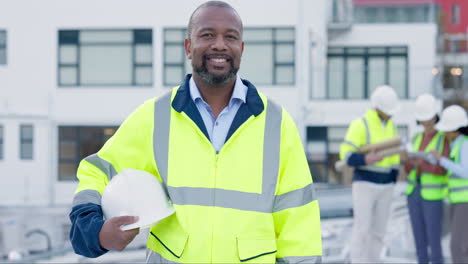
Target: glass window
(397, 75)
(258, 59)
(76, 143)
(269, 56)
(26, 142)
(3, 47)
(1, 142)
(323, 147)
(376, 70)
(176, 65)
(335, 77)
(105, 57)
(455, 14)
(353, 72)
(355, 78)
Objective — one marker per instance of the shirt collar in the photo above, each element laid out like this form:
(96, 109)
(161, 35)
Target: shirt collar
(239, 92)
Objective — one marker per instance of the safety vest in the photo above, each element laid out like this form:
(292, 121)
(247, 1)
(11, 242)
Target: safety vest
(433, 186)
(457, 186)
(369, 130)
(251, 201)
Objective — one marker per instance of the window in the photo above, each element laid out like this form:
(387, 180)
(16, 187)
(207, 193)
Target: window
(105, 57)
(26, 142)
(1, 142)
(354, 72)
(323, 150)
(453, 77)
(393, 14)
(3, 47)
(269, 56)
(76, 143)
(176, 66)
(455, 14)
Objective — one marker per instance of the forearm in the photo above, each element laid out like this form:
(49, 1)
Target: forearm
(457, 169)
(86, 223)
(432, 169)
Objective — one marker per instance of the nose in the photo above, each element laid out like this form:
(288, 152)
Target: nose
(219, 44)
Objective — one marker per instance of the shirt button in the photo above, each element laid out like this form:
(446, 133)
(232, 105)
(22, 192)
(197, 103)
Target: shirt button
(216, 123)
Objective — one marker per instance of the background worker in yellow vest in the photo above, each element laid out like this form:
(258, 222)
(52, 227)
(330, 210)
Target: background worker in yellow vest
(374, 176)
(427, 183)
(231, 160)
(454, 124)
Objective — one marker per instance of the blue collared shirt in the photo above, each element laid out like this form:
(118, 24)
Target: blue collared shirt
(461, 168)
(218, 128)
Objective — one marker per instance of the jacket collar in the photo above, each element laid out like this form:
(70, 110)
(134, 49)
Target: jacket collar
(182, 99)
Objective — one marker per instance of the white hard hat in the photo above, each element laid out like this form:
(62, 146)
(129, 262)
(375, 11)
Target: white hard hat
(426, 107)
(452, 118)
(385, 99)
(136, 193)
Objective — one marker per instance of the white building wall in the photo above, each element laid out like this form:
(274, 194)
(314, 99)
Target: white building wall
(29, 92)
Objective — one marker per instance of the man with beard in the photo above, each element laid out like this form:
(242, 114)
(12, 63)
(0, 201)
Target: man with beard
(230, 159)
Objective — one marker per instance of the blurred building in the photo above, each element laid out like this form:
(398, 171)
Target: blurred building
(451, 69)
(71, 71)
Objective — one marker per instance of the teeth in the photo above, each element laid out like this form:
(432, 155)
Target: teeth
(219, 60)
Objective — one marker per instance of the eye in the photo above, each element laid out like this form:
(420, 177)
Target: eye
(231, 37)
(207, 35)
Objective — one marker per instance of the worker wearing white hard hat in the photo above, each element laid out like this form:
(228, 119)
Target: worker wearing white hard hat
(454, 124)
(427, 183)
(373, 176)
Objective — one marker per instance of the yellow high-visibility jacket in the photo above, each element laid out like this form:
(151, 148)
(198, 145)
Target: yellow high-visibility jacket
(365, 131)
(252, 202)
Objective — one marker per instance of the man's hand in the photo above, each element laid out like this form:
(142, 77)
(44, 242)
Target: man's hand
(372, 158)
(436, 155)
(111, 237)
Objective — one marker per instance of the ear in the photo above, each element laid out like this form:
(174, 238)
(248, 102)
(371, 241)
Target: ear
(242, 50)
(187, 46)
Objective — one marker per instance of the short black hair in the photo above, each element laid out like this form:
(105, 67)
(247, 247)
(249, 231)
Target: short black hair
(219, 4)
(463, 130)
(436, 121)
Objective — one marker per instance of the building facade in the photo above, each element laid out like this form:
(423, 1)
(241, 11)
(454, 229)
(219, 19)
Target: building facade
(71, 71)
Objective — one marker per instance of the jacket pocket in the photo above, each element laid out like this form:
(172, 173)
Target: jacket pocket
(171, 236)
(256, 250)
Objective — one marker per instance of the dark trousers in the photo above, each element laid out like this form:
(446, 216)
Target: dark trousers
(459, 232)
(426, 221)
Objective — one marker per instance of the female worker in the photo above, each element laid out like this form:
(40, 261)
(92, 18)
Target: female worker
(427, 183)
(454, 124)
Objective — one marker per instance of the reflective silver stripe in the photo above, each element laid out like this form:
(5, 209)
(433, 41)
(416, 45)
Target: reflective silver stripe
(162, 122)
(456, 176)
(439, 143)
(395, 166)
(375, 169)
(295, 198)
(271, 148)
(87, 196)
(224, 198)
(351, 144)
(102, 165)
(241, 200)
(433, 186)
(458, 189)
(368, 140)
(306, 259)
(155, 257)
